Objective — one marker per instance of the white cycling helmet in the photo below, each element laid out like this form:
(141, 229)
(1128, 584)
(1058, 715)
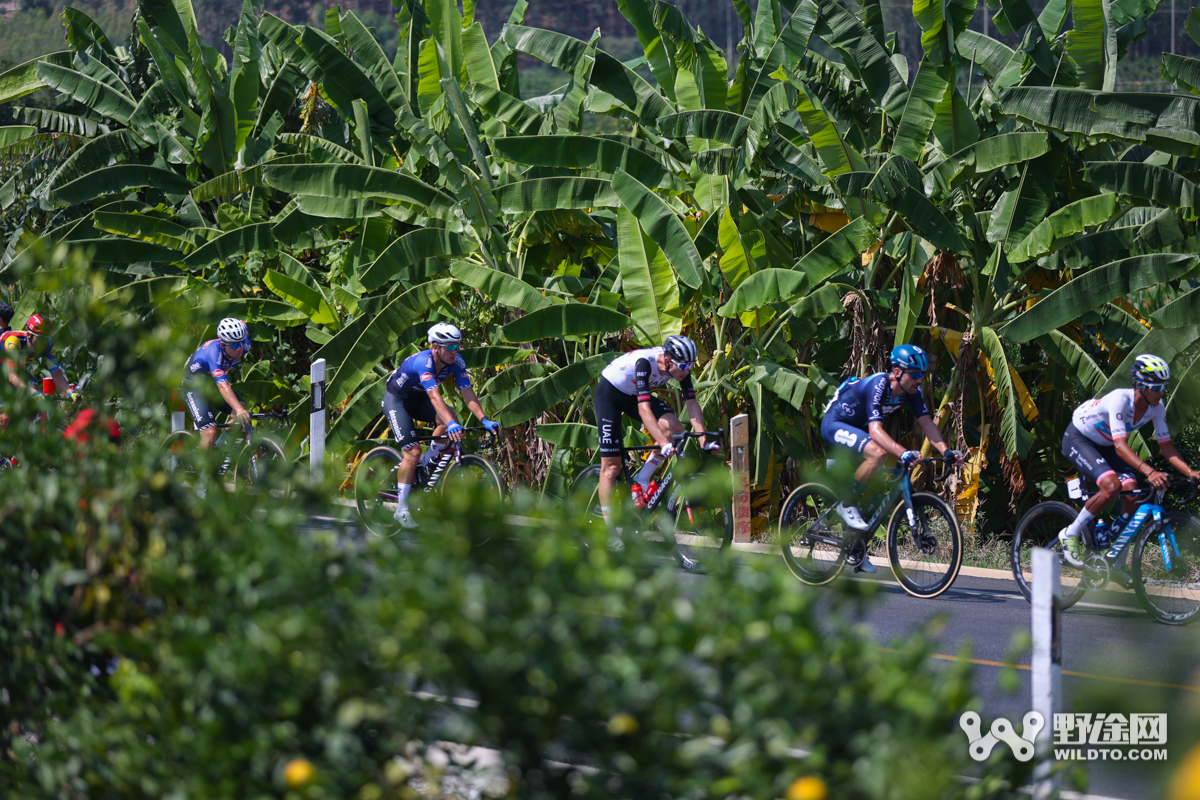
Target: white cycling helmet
(444, 333)
(232, 330)
(1149, 369)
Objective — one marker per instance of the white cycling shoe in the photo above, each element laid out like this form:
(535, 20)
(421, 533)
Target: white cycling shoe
(851, 516)
(1072, 548)
(404, 517)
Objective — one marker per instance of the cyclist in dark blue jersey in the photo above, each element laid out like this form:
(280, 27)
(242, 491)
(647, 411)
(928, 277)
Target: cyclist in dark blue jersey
(412, 395)
(215, 359)
(854, 420)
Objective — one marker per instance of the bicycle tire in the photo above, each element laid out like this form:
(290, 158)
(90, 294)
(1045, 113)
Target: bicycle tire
(260, 457)
(926, 558)
(1175, 599)
(373, 475)
(474, 469)
(584, 498)
(817, 562)
(1039, 528)
(180, 445)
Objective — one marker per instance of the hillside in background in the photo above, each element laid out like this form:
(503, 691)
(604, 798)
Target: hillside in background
(36, 29)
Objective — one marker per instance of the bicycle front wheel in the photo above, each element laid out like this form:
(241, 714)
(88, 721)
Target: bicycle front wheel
(1039, 528)
(181, 446)
(375, 490)
(926, 546)
(711, 524)
(474, 473)
(1171, 596)
(811, 534)
(260, 458)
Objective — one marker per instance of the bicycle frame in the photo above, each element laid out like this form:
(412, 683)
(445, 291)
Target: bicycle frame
(1115, 553)
(660, 493)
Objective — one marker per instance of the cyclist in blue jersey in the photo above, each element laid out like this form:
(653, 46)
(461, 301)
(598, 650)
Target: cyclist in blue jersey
(412, 395)
(215, 359)
(854, 420)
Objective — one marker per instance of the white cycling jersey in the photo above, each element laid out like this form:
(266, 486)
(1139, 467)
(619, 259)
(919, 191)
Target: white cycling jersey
(1111, 417)
(625, 376)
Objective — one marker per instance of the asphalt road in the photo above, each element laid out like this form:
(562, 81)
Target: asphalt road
(1114, 658)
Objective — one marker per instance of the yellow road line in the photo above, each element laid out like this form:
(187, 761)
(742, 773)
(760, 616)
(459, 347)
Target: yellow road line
(984, 662)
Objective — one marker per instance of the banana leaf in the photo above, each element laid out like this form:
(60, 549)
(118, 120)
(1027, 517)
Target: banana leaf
(567, 319)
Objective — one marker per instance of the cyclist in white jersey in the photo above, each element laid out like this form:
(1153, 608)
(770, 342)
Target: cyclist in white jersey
(624, 389)
(1097, 444)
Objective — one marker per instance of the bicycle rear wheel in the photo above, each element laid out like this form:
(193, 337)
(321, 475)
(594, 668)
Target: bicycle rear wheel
(473, 474)
(811, 534)
(181, 446)
(1039, 528)
(1171, 596)
(375, 491)
(926, 551)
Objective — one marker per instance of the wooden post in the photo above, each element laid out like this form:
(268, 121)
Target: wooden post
(739, 452)
(1047, 665)
(316, 421)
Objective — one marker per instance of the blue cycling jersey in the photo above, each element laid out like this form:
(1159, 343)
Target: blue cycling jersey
(210, 359)
(417, 375)
(861, 402)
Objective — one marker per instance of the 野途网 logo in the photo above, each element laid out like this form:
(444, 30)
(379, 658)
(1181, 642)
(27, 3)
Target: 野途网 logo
(1002, 731)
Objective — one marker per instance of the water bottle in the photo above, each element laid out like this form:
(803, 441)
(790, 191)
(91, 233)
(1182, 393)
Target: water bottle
(651, 491)
(639, 500)
(1102, 535)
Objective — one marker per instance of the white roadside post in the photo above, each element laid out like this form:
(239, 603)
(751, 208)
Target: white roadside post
(739, 461)
(177, 421)
(1047, 665)
(316, 421)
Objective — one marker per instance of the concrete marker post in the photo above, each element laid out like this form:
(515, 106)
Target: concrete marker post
(739, 460)
(316, 421)
(1046, 666)
(178, 422)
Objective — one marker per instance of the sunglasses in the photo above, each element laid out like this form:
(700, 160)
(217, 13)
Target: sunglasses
(1155, 387)
(916, 376)
(685, 367)
(453, 348)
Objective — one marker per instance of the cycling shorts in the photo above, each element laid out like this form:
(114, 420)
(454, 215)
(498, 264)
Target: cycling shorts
(611, 403)
(840, 434)
(404, 413)
(1094, 461)
(204, 411)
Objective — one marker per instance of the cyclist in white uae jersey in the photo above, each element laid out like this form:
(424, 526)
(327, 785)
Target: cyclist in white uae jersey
(624, 389)
(1097, 444)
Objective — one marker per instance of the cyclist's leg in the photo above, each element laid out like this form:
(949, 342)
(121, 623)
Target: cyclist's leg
(610, 403)
(204, 416)
(671, 424)
(1096, 465)
(404, 430)
(421, 409)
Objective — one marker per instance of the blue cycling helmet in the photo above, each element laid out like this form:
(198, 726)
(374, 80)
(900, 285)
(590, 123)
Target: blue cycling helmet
(909, 356)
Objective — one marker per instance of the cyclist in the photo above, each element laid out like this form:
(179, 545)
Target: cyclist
(6, 315)
(216, 358)
(859, 404)
(24, 348)
(412, 394)
(1096, 442)
(624, 388)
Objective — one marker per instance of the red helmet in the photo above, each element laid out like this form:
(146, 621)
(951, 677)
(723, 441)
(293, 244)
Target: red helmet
(39, 325)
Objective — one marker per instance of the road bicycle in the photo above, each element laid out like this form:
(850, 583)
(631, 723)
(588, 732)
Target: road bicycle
(924, 538)
(674, 508)
(258, 455)
(1164, 547)
(375, 481)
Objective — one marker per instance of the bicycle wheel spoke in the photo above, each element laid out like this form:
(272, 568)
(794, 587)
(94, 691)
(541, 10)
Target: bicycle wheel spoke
(375, 490)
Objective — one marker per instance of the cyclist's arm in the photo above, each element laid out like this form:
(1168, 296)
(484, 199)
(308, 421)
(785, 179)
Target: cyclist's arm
(60, 381)
(235, 405)
(14, 376)
(444, 414)
(932, 433)
(472, 400)
(1157, 479)
(1176, 460)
